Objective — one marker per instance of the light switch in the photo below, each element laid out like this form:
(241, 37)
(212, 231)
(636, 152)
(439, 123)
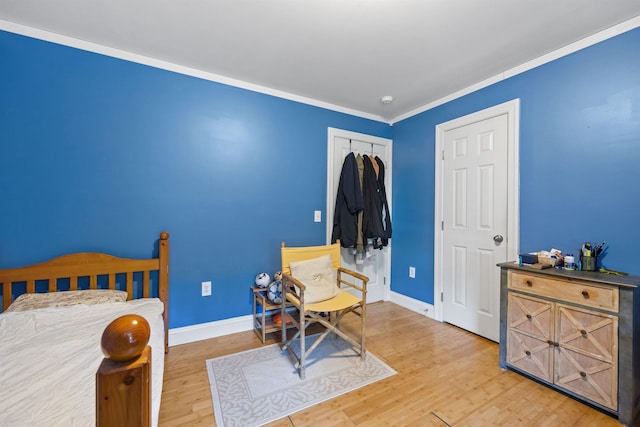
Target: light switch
(412, 272)
(206, 289)
(317, 216)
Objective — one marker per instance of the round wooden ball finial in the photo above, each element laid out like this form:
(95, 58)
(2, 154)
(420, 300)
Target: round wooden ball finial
(125, 338)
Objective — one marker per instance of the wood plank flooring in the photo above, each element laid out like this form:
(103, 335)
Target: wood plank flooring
(446, 377)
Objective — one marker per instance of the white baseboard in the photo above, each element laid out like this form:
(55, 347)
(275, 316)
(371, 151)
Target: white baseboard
(203, 331)
(208, 330)
(412, 304)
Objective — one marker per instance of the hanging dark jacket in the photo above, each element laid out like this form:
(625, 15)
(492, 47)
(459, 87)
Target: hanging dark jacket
(348, 203)
(376, 221)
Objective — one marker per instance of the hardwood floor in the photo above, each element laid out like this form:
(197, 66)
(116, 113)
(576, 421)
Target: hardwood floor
(446, 377)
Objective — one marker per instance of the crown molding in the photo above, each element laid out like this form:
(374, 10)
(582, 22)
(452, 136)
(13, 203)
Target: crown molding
(60, 39)
(544, 59)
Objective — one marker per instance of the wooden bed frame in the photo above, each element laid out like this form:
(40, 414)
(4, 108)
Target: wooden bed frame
(92, 265)
(123, 389)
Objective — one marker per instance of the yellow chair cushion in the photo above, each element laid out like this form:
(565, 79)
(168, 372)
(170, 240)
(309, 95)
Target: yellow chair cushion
(339, 302)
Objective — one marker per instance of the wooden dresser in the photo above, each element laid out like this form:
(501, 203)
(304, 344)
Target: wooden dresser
(575, 331)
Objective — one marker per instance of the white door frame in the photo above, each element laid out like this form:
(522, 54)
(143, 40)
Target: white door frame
(512, 109)
(388, 143)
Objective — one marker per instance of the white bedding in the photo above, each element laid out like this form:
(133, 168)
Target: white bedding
(49, 358)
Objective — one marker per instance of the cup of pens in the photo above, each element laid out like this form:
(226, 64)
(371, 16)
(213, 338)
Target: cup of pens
(589, 256)
(589, 263)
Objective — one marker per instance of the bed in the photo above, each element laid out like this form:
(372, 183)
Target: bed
(53, 317)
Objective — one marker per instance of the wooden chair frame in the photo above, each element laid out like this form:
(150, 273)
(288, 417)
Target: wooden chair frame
(310, 313)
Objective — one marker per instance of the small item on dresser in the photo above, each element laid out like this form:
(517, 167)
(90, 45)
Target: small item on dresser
(528, 258)
(589, 262)
(589, 255)
(552, 258)
(539, 266)
(614, 272)
(569, 262)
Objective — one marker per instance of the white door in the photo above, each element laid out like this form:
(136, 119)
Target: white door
(340, 144)
(475, 230)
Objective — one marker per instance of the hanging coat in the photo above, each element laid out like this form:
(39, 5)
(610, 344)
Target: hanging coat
(348, 203)
(360, 243)
(376, 221)
(386, 215)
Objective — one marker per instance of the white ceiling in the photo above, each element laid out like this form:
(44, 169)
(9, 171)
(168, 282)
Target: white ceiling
(346, 53)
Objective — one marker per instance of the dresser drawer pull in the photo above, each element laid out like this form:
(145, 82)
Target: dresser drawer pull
(529, 283)
(585, 294)
(550, 342)
(583, 374)
(529, 316)
(583, 332)
(527, 352)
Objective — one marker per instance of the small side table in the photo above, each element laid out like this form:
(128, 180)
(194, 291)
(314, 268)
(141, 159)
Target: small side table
(263, 322)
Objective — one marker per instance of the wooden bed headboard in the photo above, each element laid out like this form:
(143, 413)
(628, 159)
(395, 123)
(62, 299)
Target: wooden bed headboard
(93, 265)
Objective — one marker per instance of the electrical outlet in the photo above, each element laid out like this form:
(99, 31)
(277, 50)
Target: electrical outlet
(412, 272)
(206, 289)
(317, 216)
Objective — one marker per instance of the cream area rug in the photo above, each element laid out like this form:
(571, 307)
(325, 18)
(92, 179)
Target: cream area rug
(259, 386)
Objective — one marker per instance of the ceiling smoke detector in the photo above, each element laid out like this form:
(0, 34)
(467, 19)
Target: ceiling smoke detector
(386, 99)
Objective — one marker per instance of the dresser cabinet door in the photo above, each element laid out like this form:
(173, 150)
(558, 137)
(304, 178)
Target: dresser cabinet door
(529, 338)
(586, 359)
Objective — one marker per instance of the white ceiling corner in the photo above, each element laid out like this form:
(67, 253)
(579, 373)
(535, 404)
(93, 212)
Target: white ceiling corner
(339, 54)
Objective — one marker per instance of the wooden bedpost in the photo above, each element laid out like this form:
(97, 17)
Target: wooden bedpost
(163, 283)
(123, 392)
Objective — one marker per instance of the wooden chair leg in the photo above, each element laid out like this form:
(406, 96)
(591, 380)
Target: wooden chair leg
(284, 314)
(303, 355)
(363, 330)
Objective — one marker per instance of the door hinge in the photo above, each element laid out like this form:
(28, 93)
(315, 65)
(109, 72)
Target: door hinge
(441, 296)
(384, 280)
(442, 154)
(442, 226)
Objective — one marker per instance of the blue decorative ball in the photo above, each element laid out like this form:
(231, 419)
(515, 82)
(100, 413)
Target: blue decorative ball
(274, 293)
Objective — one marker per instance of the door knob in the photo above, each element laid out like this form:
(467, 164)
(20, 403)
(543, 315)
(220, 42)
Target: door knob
(498, 238)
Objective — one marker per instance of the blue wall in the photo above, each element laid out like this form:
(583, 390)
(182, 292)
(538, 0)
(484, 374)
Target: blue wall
(100, 154)
(579, 161)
